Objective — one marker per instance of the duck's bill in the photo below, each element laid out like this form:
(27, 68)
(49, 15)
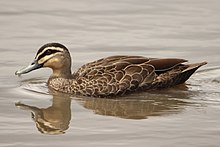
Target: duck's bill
(29, 68)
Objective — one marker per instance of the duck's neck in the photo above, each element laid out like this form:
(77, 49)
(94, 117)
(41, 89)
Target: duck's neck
(63, 70)
(62, 73)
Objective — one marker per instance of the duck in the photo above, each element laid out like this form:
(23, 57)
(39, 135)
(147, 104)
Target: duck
(110, 76)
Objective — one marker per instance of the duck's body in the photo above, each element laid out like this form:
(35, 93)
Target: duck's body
(111, 76)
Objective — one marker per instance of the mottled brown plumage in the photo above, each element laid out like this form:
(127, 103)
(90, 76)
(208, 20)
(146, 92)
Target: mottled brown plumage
(111, 76)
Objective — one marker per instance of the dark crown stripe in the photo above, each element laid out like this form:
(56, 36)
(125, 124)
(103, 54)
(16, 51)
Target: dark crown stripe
(51, 45)
(47, 52)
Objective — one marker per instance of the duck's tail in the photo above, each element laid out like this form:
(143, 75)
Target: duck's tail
(187, 73)
(176, 76)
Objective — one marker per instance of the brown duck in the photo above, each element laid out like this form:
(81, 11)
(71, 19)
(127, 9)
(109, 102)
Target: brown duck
(111, 76)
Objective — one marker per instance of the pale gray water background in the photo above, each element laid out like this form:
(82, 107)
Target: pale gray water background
(92, 29)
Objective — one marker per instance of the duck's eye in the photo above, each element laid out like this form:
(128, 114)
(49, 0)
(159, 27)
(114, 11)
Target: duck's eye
(48, 52)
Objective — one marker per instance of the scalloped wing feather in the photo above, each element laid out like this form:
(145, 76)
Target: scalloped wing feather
(116, 75)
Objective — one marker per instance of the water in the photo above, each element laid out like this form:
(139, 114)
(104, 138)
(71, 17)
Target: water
(91, 29)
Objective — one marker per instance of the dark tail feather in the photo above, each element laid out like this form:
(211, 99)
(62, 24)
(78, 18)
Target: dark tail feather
(186, 74)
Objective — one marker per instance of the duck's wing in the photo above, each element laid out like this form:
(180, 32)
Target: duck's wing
(109, 61)
(118, 74)
(159, 64)
(162, 65)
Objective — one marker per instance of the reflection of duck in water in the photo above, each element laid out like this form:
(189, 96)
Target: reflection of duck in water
(54, 119)
(111, 76)
(138, 106)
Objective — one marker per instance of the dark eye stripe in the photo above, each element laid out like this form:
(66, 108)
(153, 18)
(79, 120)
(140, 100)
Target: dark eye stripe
(47, 52)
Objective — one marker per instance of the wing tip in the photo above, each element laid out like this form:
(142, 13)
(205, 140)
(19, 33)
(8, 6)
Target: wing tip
(203, 63)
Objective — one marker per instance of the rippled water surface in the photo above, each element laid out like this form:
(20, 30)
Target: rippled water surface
(181, 116)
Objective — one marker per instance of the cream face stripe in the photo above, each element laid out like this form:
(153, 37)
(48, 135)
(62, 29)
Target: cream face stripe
(58, 49)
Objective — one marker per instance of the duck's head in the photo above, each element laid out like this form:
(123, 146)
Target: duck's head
(53, 55)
